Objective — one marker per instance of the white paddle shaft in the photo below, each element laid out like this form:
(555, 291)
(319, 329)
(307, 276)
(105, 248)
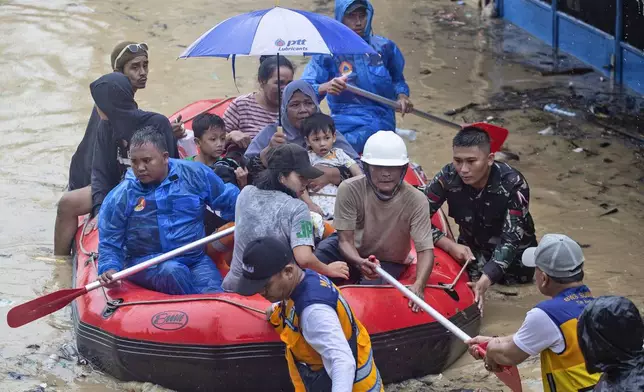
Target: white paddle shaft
(424, 305)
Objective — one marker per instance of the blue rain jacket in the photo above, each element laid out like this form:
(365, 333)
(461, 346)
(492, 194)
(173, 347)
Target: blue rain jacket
(356, 117)
(138, 221)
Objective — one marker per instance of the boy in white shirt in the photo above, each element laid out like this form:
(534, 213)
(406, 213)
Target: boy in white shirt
(319, 133)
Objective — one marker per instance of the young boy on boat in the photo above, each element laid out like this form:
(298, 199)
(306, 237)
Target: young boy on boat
(159, 207)
(550, 328)
(327, 348)
(358, 118)
(489, 202)
(319, 133)
(210, 138)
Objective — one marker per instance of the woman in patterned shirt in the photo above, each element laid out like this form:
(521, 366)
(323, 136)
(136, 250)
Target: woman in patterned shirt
(250, 113)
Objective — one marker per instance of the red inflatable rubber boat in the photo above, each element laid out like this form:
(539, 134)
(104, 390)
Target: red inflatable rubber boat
(221, 342)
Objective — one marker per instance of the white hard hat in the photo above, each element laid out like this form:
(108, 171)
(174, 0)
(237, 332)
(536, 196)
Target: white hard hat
(385, 148)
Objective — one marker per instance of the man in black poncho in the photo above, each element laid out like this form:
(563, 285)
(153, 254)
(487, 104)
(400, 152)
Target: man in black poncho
(611, 334)
(131, 59)
(113, 95)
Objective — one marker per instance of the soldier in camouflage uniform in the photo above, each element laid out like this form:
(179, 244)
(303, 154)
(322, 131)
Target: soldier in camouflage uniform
(489, 202)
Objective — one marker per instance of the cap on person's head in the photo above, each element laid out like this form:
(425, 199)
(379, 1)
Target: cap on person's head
(557, 255)
(263, 258)
(356, 6)
(291, 157)
(117, 65)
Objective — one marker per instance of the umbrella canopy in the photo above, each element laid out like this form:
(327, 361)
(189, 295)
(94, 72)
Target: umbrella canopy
(281, 31)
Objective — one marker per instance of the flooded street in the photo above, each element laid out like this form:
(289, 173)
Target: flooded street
(53, 49)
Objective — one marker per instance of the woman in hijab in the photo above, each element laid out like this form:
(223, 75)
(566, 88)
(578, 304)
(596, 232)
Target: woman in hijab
(299, 101)
(120, 118)
(611, 333)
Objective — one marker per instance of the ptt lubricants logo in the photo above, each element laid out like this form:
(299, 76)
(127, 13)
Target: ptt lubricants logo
(295, 45)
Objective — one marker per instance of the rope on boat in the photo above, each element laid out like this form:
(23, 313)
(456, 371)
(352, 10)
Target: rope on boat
(175, 300)
(82, 237)
(116, 304)
(388, 286)
(441, 286)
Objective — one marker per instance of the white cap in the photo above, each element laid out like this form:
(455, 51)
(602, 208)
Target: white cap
(385, 148)
(557, 255)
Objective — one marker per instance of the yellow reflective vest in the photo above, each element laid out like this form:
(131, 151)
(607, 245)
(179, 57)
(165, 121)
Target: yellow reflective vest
(566, 371)
(304, 363)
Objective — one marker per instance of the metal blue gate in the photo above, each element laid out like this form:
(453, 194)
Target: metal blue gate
(608, 35)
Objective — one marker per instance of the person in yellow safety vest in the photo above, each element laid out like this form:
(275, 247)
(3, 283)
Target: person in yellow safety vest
(550, 328)
(327, 348)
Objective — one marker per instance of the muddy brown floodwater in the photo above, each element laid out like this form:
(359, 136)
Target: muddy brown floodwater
(52, 49)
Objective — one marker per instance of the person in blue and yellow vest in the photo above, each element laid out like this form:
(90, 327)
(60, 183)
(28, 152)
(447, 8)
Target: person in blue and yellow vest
(550, 328)
(327, 348)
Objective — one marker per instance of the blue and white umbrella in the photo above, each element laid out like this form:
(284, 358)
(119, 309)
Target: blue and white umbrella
(278, 31)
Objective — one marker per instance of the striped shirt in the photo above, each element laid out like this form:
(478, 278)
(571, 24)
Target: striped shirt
(246, 115)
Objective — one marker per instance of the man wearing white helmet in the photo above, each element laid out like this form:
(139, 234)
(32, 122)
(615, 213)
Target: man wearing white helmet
(379, 214)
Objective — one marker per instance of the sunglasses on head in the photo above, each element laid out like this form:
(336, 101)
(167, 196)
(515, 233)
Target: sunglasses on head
(133, 48)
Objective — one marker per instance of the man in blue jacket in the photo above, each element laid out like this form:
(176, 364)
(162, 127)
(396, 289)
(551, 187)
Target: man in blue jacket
(356, 117)
(159, 207)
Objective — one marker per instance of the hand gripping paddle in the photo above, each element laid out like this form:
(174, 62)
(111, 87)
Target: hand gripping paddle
(509, 375)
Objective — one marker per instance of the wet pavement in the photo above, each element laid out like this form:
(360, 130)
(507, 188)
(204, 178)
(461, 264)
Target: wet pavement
(53, 49)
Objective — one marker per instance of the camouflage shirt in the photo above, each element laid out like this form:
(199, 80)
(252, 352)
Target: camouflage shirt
(494, 221)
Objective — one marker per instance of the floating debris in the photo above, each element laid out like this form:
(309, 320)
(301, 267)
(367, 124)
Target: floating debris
(552, 108)
(611, 211)
(5, 302)
(15, 376)
(452, 112)
(505, 156)
(408, 134)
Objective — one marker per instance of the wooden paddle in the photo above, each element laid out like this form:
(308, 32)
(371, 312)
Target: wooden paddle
(42, 306)
(509, 375)
(497, 134)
